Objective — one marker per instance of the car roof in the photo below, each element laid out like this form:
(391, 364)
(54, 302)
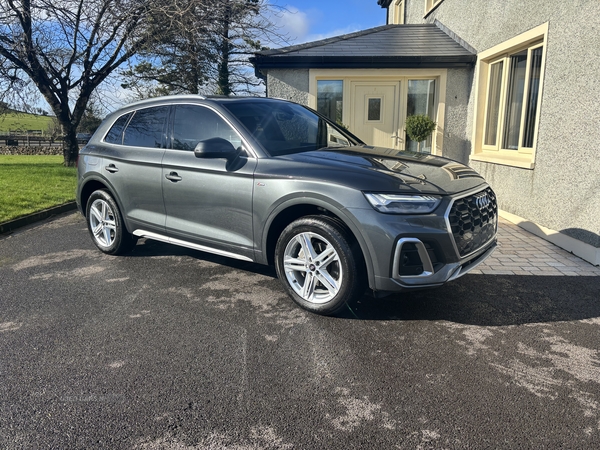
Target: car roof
(200, 98)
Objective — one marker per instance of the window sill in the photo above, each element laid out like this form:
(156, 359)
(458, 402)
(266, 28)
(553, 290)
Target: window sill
(522, 162)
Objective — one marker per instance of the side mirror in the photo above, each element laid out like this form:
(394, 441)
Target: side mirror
(215, 148)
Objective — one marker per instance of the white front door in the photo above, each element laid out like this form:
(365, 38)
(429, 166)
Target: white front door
(375, 115)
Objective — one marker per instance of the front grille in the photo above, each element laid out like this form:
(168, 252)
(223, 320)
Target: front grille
(473, 221)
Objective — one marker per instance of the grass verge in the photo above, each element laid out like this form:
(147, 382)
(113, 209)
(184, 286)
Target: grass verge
(32, 183)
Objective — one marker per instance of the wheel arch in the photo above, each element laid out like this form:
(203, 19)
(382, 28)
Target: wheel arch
(295, 208)
(93, 184)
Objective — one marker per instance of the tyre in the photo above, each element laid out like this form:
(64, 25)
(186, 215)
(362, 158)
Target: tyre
(318, 265)
(106, 226)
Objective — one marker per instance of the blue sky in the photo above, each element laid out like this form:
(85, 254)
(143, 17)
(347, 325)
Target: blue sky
(309, 20)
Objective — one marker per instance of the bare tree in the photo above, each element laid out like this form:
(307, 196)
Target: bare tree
(67, 48)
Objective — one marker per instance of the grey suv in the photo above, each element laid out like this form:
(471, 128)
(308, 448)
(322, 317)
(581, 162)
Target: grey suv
(274, 182)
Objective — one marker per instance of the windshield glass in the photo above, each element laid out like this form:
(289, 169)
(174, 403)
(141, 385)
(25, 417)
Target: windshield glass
(284, 128)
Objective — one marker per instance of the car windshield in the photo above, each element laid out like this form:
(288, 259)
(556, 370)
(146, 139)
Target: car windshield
(284, 128)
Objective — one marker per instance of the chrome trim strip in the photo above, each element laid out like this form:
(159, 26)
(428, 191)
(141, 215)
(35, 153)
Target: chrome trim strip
(427, 265)
(202, 248)
(447, 219)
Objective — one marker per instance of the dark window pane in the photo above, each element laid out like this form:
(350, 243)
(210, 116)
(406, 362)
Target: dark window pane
(514, 100)
(146, 128)
(284, 128)
(193, 124)
(535, 69)
(115, 134)
(329, 99)
(420, 100)
(493, 104)
(374, 109)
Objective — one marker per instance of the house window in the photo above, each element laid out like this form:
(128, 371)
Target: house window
(420, 100)
(329, 99)
(509, 97)
(397, 12)
(430, 4)
(512, 99)
(374, 112)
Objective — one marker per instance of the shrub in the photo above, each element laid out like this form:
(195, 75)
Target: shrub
(419, 127)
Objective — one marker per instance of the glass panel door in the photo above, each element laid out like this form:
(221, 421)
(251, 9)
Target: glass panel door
(420, 100)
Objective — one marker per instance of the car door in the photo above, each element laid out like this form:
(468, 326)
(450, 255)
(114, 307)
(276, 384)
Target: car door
(132, 165)
(208, 201)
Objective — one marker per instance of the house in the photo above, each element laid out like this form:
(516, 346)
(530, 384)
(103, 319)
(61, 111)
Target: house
(513, 86)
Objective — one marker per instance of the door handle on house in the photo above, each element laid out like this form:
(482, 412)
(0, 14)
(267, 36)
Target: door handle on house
(173, 177)
(111, 168)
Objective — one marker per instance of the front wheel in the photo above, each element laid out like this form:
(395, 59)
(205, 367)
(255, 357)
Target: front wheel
(106, 226)
(318, 265)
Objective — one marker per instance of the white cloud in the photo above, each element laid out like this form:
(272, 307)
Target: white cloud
(302, 26)
(294, 23)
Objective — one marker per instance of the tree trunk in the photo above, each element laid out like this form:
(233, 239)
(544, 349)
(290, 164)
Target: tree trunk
(223, 86)
(70, 145)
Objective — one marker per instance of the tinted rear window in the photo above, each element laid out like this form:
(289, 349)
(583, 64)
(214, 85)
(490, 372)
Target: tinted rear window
(147, 128)
(115, 134)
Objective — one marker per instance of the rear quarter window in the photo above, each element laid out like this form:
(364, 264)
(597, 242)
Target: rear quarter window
(147, 128)
(115, 134)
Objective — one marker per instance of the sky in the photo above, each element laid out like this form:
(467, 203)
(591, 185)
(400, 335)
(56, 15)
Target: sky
(310, 20)
(302, 21)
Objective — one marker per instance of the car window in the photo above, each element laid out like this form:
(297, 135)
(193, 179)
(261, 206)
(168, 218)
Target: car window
(193, 124)
(283, 127)
(115, 134)
(146, 128)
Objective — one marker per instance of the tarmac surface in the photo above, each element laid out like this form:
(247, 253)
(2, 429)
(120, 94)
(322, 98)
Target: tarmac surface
(169, 348)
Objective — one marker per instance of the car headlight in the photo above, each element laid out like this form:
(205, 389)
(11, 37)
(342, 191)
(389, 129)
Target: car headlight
(403, 203)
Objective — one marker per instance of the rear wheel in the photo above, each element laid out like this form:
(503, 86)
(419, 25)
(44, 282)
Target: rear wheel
(106, 226)
(318, 265)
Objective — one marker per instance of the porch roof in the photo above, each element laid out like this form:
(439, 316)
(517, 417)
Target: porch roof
(388, 46)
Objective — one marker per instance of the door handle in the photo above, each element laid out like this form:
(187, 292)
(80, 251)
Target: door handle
(111, 168)
(173, 177)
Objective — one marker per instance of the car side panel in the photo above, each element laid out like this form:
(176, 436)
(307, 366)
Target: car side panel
(212, 203)
(137, 179)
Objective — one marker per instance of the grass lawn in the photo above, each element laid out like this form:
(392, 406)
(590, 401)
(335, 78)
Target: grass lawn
(23, 122)
(32, 183)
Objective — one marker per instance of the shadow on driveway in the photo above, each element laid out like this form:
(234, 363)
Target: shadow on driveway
(483, 300)
(491, 300)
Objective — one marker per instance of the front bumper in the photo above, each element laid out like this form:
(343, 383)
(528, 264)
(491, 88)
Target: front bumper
(429, 279)
(420, 251)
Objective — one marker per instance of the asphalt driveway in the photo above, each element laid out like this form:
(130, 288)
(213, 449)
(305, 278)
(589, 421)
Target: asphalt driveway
(170, 348)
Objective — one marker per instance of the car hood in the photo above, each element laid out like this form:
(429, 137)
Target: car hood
(396, 170)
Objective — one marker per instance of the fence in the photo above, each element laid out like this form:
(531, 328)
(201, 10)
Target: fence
(28, 140)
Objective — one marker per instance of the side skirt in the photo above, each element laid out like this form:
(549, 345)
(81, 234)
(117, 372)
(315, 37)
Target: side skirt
(202, 248)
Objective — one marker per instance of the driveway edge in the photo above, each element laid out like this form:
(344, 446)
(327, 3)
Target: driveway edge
(11, 225)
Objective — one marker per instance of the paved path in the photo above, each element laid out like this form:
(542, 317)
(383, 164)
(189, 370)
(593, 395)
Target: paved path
(523, 253)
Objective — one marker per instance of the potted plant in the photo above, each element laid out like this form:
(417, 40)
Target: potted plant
(419, 127)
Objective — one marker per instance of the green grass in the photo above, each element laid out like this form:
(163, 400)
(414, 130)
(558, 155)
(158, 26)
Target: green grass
(23, 122)
(32, 183)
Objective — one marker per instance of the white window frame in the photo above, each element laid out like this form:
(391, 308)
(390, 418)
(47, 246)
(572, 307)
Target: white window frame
(352, 76)
(397, 12)
(522, 157)
(430, 4)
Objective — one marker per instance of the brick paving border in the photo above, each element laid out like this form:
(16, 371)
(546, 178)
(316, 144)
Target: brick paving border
(523, 253)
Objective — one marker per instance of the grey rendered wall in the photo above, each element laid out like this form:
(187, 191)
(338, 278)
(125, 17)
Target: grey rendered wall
(457, 141)
(563, 191)
(291, 84)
